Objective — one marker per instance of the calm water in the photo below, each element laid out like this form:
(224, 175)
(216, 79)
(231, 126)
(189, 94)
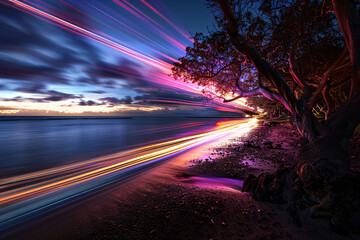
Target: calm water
(30, 145)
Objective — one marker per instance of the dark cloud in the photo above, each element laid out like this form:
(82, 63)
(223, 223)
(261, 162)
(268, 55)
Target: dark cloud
(3, 87)
(34, 50)
(90, 80)
(125, 72)
(88, 103)
(109, 84)
(155, 96)
(22, 99)
(124, 69)
(117, 101)
(96, 92)
(32, 88)
(41, 89)
(34, 53)
(59, 96)
(18, 71)
(14, 99)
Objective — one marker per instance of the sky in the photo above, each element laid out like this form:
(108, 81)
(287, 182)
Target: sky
(107, 58)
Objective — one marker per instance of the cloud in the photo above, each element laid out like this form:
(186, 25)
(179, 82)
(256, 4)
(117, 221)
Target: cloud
(96, 92)
(117, 101)
(31, 87)
(41, 89)
(123, 69)
(157, 96)
(35, 53)
(47, 95)
(90, 80)
(88, 103)
(3, 87)
(34, 50)
(14, 99)
(124, 72)
(59, 96)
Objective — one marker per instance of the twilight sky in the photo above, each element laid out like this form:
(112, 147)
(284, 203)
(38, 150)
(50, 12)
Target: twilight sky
(92, 57)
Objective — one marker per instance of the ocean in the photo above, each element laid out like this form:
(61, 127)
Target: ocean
(29, 144)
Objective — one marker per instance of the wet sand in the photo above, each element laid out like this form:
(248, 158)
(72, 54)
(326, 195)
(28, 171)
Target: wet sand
(206, 201)
(203, 200)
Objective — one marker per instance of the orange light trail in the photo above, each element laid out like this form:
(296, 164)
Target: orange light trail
(181, 126)
(30, 194)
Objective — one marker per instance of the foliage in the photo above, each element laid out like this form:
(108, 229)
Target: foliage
(304, 33)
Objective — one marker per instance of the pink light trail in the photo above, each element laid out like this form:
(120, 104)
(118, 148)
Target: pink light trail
(163, 69)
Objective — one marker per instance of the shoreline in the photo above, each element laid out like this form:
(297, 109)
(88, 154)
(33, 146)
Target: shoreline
(203, 200)
(188, 210)
(8, 118)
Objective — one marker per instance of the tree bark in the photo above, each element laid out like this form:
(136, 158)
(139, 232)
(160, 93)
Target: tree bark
(344, 121)
(319, 179)
(263, 67)
(320, 176)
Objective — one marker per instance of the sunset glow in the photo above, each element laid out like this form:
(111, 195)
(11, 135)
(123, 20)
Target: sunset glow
(126, 39)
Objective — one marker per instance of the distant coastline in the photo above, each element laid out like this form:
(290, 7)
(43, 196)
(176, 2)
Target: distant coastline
(216, 117)
(38, 118)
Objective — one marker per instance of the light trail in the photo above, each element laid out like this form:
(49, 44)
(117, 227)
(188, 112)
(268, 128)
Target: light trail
(152, 61)
(25, 197)
(121, 25)
(162, 69)
(165, 18)
(181, 126)
(160, 29)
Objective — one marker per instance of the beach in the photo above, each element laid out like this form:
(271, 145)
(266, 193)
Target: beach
(189, 209)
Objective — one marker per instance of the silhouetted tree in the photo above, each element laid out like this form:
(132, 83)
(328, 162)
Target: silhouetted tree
(305, 55)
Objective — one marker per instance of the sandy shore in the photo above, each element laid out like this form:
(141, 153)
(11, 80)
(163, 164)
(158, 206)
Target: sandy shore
(189, 210)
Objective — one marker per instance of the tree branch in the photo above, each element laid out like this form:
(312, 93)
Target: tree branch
(232, 99)
(349, 23)
(260, 84)
(345, 120)
(325, 77)
(261, 90)
(328, 100)
(294, 73)
(219, 71)
(251, 52)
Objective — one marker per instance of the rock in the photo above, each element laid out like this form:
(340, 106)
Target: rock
(250, 144)
(266, 123)
(355, 222)
(248, 183)
(268, 144)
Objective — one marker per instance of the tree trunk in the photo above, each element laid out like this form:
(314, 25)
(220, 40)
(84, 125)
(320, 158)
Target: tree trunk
(319, 179)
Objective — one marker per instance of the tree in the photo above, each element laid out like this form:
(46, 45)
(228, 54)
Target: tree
(306, 56)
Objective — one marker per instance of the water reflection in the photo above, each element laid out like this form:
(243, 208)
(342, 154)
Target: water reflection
(27, 146)
(28, 196)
